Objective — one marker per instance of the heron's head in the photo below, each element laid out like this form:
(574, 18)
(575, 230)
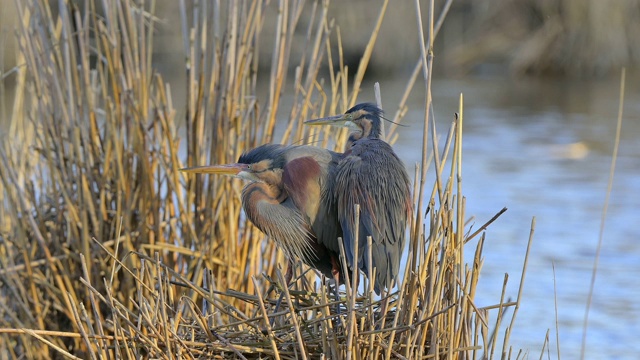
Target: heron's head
(363, 118)
(263, 164)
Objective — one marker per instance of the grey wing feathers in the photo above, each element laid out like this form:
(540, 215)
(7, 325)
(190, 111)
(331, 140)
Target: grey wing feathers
(375, 178)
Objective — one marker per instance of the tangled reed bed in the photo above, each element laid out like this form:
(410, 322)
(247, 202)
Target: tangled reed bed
(107, 251)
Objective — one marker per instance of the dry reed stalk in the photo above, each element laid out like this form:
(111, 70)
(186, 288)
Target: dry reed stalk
(605, 207)
(352, 289)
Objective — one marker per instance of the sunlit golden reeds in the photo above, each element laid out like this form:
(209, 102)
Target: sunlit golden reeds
(107, 251)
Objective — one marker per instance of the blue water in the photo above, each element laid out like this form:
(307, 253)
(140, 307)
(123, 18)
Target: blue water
(543, 149)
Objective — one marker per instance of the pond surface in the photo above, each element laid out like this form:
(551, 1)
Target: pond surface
(544, 149)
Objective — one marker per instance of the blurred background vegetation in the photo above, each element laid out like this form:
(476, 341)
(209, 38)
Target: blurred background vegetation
(563, 38)
(570, 39)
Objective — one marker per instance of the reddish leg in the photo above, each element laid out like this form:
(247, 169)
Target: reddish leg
(289, 274)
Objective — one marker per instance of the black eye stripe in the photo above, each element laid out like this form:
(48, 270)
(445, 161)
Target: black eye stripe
(250, 167)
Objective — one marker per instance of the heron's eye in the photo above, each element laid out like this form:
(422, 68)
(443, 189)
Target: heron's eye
(248, 167)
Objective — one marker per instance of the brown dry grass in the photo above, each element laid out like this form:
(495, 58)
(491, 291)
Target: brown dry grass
(107, 251)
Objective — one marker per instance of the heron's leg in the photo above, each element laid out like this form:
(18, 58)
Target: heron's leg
(383, 307)
(336, 281)
(335, 271)
(289, 274)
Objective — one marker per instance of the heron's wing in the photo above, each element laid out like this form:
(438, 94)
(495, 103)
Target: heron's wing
(305, 179)
(373, 177)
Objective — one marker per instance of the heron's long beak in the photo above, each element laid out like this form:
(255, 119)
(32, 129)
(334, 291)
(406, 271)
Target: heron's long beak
(229, 169)
(337, 120)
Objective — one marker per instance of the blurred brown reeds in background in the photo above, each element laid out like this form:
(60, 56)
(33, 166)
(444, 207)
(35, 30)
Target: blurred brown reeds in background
(107, 251)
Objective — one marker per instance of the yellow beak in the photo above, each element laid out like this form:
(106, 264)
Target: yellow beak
(228, 169)
(337, 120)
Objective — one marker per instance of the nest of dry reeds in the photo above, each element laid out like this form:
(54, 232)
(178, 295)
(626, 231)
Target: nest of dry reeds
(107, 251)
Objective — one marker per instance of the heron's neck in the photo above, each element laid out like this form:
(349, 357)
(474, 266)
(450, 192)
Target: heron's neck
(257, 192)
(353, 137)
(369, 129)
